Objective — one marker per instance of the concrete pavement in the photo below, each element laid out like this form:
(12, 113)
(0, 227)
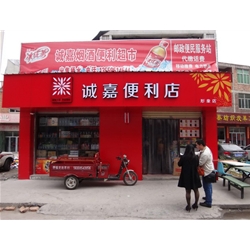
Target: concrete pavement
(154, 198)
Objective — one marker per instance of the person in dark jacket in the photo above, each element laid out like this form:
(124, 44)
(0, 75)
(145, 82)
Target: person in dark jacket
(189, 177)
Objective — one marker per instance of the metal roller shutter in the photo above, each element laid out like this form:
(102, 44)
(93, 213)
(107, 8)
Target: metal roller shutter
(173, 115)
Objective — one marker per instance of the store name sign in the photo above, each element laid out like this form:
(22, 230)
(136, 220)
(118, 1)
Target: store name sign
(130, 90)
(233, 118)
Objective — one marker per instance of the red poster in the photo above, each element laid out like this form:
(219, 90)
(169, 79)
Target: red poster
(158, 55)
(42, 166)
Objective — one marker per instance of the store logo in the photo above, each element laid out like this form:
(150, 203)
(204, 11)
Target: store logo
(62, 89)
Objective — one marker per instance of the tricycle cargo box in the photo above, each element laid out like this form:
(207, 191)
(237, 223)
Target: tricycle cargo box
(75, 170)
(82, 168)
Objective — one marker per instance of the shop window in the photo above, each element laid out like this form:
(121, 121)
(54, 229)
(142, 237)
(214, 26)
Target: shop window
(221, 134)
(243, 76)
(67, 136)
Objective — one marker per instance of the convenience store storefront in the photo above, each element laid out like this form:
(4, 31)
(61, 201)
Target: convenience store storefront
(116, 97)
(117, 113)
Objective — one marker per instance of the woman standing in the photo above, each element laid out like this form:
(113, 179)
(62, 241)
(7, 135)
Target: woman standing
(189, 177)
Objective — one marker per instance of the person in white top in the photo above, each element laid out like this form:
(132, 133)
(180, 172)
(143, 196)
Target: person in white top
(206, 162)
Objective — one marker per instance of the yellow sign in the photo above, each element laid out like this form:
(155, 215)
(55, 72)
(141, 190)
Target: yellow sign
(233, 118)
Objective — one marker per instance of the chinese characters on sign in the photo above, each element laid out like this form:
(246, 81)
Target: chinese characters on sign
(95, 55)
(208, 101)
(233, 118)
(60, 167)
(131, 90)
(193, 56)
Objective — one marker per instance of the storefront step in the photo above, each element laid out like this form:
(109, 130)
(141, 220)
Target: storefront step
(160, 177)
(145, 177)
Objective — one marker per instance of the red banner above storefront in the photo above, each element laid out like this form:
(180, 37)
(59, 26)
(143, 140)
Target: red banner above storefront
(165, 55)
(131, 89)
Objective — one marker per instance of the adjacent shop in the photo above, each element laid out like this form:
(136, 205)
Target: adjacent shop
(9, 132)
(234, 128)
(116, 97)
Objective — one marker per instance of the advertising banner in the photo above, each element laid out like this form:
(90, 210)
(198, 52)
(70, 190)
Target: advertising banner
(157, 55)
(42, 166)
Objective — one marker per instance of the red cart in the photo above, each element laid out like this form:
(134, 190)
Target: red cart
(74, 170)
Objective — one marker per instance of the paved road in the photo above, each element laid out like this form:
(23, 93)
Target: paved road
(157, 199)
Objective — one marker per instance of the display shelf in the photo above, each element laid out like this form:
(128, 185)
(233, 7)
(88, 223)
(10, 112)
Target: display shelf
(74, 136)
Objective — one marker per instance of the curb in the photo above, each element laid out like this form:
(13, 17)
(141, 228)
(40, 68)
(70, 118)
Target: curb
(18, 205)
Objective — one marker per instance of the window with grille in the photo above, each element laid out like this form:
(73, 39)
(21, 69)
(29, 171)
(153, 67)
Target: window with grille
(244, 101)
(243, 76)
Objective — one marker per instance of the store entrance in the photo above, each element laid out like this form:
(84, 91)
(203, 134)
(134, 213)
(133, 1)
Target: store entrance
(237, 136)
(160, 145)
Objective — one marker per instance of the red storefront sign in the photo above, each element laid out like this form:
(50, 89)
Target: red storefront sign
(232, 118)
(167, 55)
(131, 89)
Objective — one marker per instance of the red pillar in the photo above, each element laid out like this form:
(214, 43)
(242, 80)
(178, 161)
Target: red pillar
(26, 145)
(210, 132)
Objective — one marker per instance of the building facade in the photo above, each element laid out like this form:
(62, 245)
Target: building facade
(234, 122)
(151, 133)
(9, 118)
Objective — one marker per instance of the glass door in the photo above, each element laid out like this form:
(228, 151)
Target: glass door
(238, 136)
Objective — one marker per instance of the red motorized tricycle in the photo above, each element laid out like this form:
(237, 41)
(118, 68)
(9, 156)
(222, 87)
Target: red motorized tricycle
(74, 170)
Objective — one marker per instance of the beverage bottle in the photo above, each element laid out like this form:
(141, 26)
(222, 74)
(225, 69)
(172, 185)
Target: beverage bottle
(156, 55)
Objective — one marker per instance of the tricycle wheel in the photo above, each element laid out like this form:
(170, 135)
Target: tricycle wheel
(71, 182)
(130, 178)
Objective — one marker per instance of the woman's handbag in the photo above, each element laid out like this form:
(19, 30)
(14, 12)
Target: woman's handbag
(200, 171)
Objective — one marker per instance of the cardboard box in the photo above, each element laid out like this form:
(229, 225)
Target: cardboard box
(51, 153)
(177, 169)
(41, 153)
